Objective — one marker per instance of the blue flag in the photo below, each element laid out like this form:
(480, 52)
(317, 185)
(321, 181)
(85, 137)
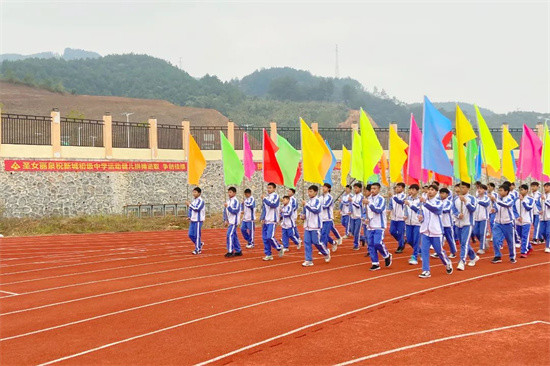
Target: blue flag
(328, 177)
(436, 126)
(478, 164)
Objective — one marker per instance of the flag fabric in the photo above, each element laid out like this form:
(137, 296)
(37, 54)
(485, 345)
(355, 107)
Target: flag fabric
(530, 155)
(289, 160)
(488, 146)
(326, 159)
(312, 154)
(471, 154)
(271, 169)
(479, 164)
(371, 150)
(546, 153)
(456, 170)
(508, 160)
(356, 158)
(398, 155)
(384, 165)
(414, 169)
(328, 176)
(345, 166)
(464, 134)
(195, 162)
(233, 170)
(248, 160)
(436, 129)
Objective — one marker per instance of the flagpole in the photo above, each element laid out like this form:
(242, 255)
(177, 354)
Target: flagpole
(483, 150)
(422, 142)
(409, 154)
(302, 151)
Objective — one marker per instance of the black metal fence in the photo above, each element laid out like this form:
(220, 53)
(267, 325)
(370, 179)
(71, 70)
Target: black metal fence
(26, 129)
(169, 136)
(255, 137)
(81, 132)
(336, 137)
(292, 135)
(208, 137)
(131, 135)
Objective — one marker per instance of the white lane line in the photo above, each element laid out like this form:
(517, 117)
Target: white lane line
(344, 314)
(180, 298)
(9, 293)
(374, 355)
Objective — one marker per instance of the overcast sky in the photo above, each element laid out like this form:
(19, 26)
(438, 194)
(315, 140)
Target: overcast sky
(493, 53)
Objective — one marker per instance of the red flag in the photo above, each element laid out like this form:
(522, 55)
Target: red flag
(272, 171)
(298, 174)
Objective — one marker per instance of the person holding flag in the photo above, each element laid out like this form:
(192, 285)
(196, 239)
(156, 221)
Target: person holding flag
(535, 194)
(525, 205)
(397, 215)
(247, 226)
(465, 205)
(545, 216)
(481, 217)
(327, 216)
(294, 204)
(412, 225)
(231, 217)
(356, 201)
(376, 224)
(312, 227)
(269, 219)
(345, 211)
(288, 224)
(197, 214)
(504, 224)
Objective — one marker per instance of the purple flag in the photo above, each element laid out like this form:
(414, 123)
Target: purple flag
(530, 155)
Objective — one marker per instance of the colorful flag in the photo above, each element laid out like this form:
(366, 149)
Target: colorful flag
(289, 159)
(384, 165)
(398, 155)
(508, 160)
(195, 162)
(488, 146)
(464, 134)
(271, 168)
(326, 159)
(546, 153)
(371, 149)
(345, 166)
(233, 170)
(414, 168)
(328, 176)
(356, 158)
(312, 154)
(436, 128)
(530, 155)
(456, 170)
(479, 164)
(248, 160)
(471, 154)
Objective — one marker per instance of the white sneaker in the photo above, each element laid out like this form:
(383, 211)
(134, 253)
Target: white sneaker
(307, 264)
(434, 255)
(327, 257)
(319, 253)
(249, 246)
(286, 249)
(425, 274)
(518, 245)
(546, 250)
(481, 251)
(460, 266)
(452, 255)
(345, 237)
(335, 247)
(413, 261)
(268, 258)
(281, 252)
(473, 261)
(339, 241)
(299, 244)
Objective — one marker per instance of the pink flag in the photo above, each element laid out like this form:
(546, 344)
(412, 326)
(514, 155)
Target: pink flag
(530, 155)
(248, 161)
(414, 168)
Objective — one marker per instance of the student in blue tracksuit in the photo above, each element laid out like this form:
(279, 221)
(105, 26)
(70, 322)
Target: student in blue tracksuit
(327, 218)
(196, 213)
(481, 218)
(345, 212)
(465, 205)
(515, 195)
(312, 227)
(545, 216)
(535, 194)
(376, 225)
(269, 219)
(493, 195)
(231, 217)
(294, 204)
(524, 206)
(431, 230)
(412, 225)
(504, 224)
(447, 220)
(356, 201)
(288, 224)
(364, 237)
(247, 226)
(397, 215)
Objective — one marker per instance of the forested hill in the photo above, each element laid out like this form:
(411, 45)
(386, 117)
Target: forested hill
(279, 94)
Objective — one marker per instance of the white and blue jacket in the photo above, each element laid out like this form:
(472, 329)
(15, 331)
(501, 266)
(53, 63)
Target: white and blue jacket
(545, 207)
(397, 207)
(411, 212)
(287, 221)
(231, 214)
(248, 207)
(466, 209)
(506, 210)
(448, 212)
(294, 205)
(196, 211)
(431, 212)
(376, 210)
(357, 206)
(327, 205)
(345, 205)
(311, 211)
(482, 210)
(538, 207)
(524, 207)
(270, 209)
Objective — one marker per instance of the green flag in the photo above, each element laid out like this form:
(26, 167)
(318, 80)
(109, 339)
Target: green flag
(456, 168)
(356, 158)
(233, 170)
(289, 159)
(471, 153)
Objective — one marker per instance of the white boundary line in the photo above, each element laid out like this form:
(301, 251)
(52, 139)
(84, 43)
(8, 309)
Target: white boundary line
(352, 312)
(279, 299)
(374, 355)
(9, 293)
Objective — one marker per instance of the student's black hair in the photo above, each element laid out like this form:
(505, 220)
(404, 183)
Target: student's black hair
(506, 182)
(232, 189)
(314, 188)
(491, 184)
(358, 185)
(434, 186)
(467, 185)
(348, 186)
(328, 186)
(368, 187)
(483, 186)
(444, 190)
(197, 189)
(424, 186)
(286, 197)
(457, 185)
(248, 191)
(547, 184)
(272, 184)
(401, 184)
(435, 183)
(414, 186)
(505, 187)
(535, 184)
(524, 186)
(477, 183)
(512, 184)
(292, 190)
(375, 184)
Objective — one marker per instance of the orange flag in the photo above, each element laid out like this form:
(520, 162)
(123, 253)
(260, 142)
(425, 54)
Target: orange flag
(195, 162)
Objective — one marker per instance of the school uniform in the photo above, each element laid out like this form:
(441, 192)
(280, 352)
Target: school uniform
(431, 230)
(197, 214)
(294, 205)
(536, 215)
(412, 227)
(247, 226)
(376, 225)
(447, 220)
(524, 207)
(515, 195)
(327, 216)
(481, 217)
(465, 225)
(288, 225)
(491, 207)
(544, 224)
(345, 213)
(504, 226)
(270, 216)
(312, 230)
(232, 217)
(397, 217)
(356, 215)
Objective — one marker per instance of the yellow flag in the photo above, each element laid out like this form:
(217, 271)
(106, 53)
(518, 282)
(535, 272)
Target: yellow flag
(326, 158)
(345, 166)
(398, 156)
(464, 133)
(383, 170)
(488, 146)
(508, 146)
(546, 152)
(371, 149)
(195, 162)
(356, 158)
(312, 153)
